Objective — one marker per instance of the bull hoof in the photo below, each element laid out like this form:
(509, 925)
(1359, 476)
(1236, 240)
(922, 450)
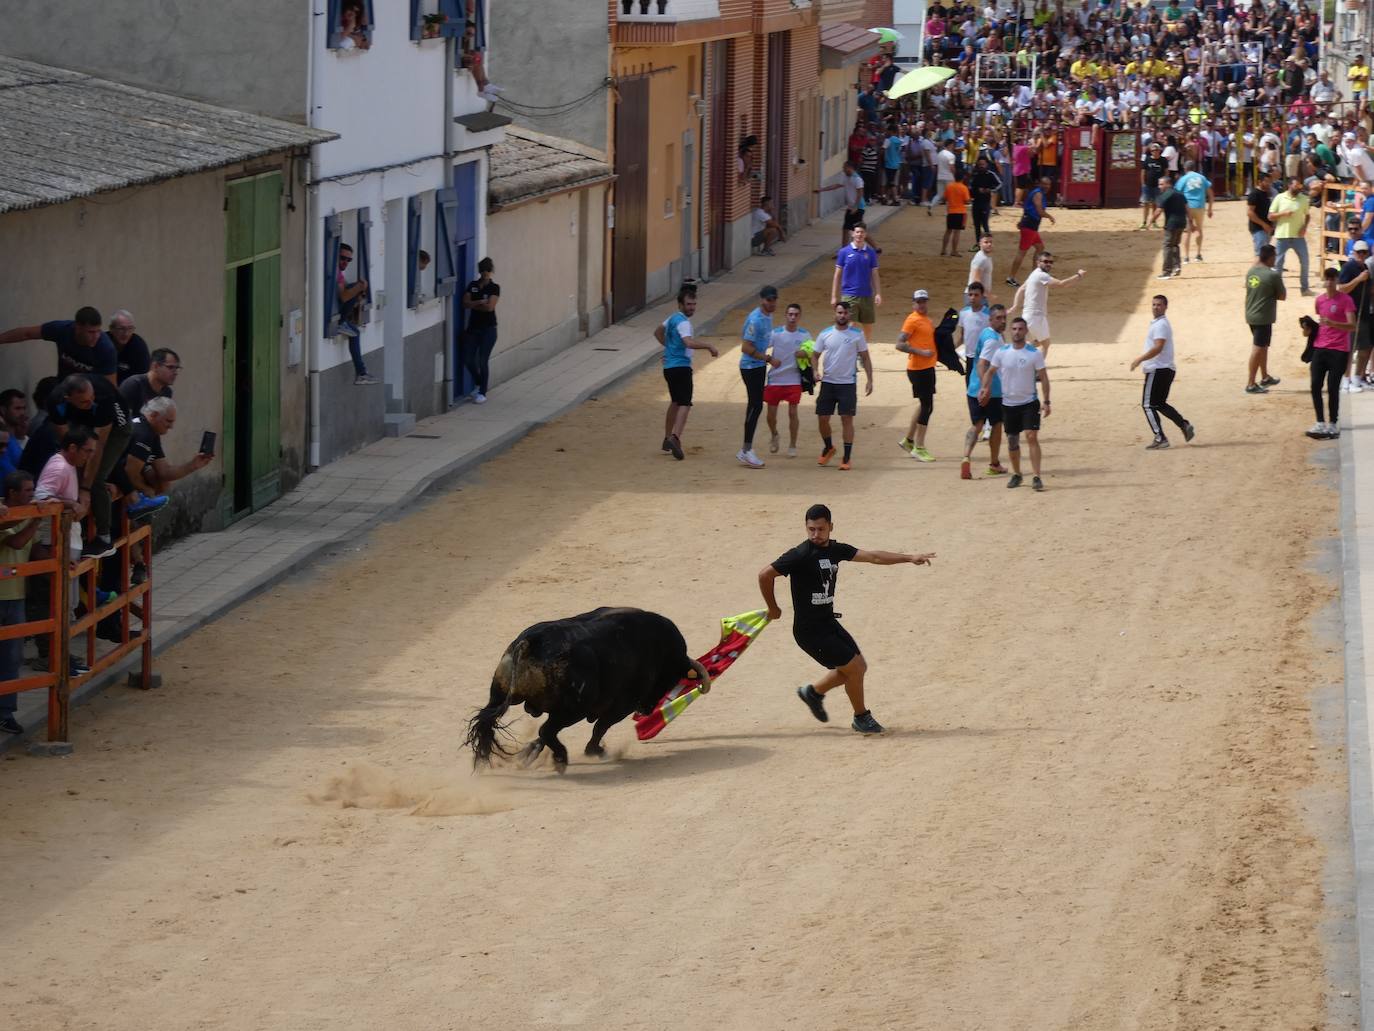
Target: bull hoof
(596, 750)
(560, 768)
(529, 753)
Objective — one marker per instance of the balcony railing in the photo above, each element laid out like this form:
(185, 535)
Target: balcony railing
(668, 10)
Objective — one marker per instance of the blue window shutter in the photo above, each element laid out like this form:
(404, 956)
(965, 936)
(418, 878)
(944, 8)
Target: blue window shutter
(334, 14)
(332, 242)
(413, 219)
(416, 20)
(364, 263)
(371, 19)
(465, 186)
(445, 242)
(479, 8)
(455, 14)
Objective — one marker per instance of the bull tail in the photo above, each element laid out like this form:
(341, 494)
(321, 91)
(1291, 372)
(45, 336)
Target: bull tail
(485, 728)
(703, 677)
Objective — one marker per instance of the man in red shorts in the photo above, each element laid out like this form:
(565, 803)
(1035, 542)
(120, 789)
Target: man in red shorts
(1032, 211)
(784, 378)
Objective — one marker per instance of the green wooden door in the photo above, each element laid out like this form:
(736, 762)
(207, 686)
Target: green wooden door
(251, 448)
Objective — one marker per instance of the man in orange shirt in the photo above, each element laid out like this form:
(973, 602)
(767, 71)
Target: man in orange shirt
(956, 210)
(917, 342)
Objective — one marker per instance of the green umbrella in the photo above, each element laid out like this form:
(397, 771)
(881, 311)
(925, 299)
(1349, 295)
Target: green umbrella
(919, 79)
(887, 35)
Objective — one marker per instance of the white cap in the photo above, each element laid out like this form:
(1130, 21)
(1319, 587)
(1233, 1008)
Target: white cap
(1360, 245)
(920, 295)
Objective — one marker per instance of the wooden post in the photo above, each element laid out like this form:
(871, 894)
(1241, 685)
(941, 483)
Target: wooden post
(59, 644)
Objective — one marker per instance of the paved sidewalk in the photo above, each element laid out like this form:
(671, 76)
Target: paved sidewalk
(200, 578)
(1357, 560)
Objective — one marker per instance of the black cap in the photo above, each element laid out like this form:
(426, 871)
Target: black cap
(769, 293)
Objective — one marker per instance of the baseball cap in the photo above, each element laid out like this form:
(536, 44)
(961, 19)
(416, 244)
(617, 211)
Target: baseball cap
(769, 293)
(920, 295)
(1360, 245)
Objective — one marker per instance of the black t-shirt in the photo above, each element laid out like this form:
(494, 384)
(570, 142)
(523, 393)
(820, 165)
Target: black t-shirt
(813, 572)
(73, 357)
(1175, 208)
(1349, 271)
(108, 409)
(137, 392)
(1259, 200)
(145, 444)
(478, 292)
(133, 358)
(1154, 168)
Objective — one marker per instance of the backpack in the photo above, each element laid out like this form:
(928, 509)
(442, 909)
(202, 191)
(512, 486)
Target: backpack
(944, 341)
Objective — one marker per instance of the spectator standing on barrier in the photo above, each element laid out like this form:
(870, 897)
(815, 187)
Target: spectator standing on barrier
(1290, 212)
(14, 418)
(480, 300)
(162, 374)
(1257, 203)
(16, 545)
(61, 481)
(132, 356)
(91, 401)
(145, 462)
(1263, 290)
(82, 346)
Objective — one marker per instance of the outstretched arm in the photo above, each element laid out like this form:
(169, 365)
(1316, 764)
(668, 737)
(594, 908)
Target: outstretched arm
(14, 336)
(1071, 279)
(893, 558)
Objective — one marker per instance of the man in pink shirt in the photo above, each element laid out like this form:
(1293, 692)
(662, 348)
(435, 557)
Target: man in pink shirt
(61, 480)
(1021, 157)
(1330, 352)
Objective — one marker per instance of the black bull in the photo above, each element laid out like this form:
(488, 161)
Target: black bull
(599, 667)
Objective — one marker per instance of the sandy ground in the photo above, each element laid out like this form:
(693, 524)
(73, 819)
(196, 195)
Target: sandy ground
(1093, 808)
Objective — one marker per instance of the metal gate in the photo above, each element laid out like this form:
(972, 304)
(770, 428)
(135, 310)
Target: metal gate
(629, 248)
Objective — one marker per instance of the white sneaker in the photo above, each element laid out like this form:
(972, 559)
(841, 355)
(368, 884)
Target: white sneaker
(774, 444)
(987, 432)
(1318, 431)
(1333, 430)
(750, 459)
(1356, 387)
(791, 452)
(1345, 384)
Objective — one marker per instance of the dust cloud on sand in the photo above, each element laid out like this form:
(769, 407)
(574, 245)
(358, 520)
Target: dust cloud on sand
(365, 786)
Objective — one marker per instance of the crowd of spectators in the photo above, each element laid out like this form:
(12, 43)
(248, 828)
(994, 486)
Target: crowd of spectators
(1232, 87)
(89, 437)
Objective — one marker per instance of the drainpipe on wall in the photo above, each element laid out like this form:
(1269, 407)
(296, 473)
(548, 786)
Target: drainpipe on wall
(312, 352)
(451, 310)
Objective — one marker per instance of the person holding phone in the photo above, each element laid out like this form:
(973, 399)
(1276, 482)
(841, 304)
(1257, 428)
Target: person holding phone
(145, 467)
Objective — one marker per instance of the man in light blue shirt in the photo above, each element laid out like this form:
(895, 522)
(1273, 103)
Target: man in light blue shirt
(989, 414)
(675, 334)
(1197, 191)
(892, 165)
(753, 369)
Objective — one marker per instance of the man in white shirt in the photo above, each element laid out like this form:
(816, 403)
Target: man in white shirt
(839, 350)
(944, 174)
(1157, 362)
(1033, 298)
(766, 229)
(784, 379)
(980, 268)
(1020, 368)
(973, 319)
(852, 183)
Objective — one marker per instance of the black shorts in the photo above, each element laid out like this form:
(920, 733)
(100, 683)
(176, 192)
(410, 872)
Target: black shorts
(1364, 333)
(1261, 335)
(1026, 180)
(679, 386)
(827, 643)
(989, 413)
(890, 175)
(844, 396)
(955, 221)
(922, 382)
(1020, 418)
(852, 217)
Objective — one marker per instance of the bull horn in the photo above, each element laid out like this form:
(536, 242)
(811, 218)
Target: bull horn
(704, 678)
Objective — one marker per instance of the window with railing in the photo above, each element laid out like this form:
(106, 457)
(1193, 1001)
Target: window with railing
(350, 24)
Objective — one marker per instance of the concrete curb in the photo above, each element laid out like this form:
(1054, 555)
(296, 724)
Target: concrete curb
(440, 478)
(1357, 730)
